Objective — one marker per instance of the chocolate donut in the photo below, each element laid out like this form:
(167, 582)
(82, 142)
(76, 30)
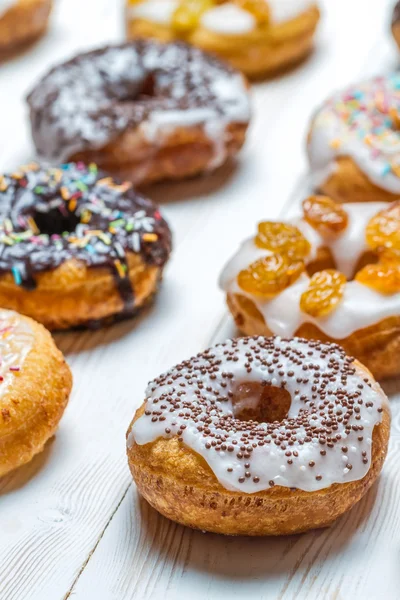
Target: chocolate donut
(144, 110)
(76, 246)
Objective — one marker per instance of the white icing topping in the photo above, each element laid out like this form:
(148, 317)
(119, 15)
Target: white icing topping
(5, 5)
(16, 341)
(358, 123)
(317, 444)
(285, 10)
(361, 306)
(156, 11)
(228, 19)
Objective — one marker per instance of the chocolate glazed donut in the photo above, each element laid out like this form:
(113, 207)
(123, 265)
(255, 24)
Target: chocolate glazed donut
(143, 110)
(75, 245)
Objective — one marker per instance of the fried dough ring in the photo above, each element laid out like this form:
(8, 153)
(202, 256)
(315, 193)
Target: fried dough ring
(34, 401)
(264, 51)
(23, 22)
(179, 483)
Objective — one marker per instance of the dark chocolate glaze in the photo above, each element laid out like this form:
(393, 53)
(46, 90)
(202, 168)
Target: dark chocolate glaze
(90, 100)
(51, 215)
(396, 14)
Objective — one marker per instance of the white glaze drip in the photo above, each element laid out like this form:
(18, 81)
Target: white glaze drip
(156, 11)
(195, 402)
(5, 5)
(228, 19)
(357, 123)
(361, 307)
(16, 341)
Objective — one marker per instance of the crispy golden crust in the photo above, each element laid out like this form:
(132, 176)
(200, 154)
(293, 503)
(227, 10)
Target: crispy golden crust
(186, 152)
(74, 294)
(32, 406)
(178, 483)
(377, 346)
(347, 183)
(23, 22)
(261, 52)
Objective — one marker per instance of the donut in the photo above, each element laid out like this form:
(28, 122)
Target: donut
(257, 37)
(21, 22)
(260, 436)
(77, 247)
(35, 383)
(332, 274)
(353, 144)
(143, 111)
(396, 23)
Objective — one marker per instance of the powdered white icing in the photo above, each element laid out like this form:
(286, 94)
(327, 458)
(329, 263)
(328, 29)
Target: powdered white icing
(156, 11)
(358, 123)
(360, 307)
(228, 19)
(16, 341)
(285, 10)
(5, 5)
(196, 402)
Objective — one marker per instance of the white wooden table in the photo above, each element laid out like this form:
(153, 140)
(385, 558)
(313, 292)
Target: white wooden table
(71, 523)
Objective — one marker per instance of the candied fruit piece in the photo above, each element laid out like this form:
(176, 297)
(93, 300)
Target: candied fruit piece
(270, 275)
(324, 293)
(282, 238)
(324, 215)
(258, 8)
(383, 277)
(383, 230)
(187, 15)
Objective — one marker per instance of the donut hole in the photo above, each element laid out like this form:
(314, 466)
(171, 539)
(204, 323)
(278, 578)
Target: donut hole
(55, 222)
(253, 401)
(324, 260)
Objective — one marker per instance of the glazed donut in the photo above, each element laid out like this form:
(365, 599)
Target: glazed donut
(353, 144)
(318, 277)
(396, 23)
(257, 37)
(22, 21)
(260, 436)
(145, 111)
(77, 248)
(35, 383)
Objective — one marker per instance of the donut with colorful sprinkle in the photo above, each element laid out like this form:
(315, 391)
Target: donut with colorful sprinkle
(22, 22)
(260, 436)
(76, 246)
(354, 143)
(35, 384)
(331, 273)
(144, 111)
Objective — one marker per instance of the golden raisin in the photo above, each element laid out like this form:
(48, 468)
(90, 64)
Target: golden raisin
(282, 238)
(324, 215)
(383, 230)
(383, 277)
(187, 15)
(270, 275)
(324, 293)
(258, 8)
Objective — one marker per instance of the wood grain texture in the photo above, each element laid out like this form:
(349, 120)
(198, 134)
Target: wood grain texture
(71, 524)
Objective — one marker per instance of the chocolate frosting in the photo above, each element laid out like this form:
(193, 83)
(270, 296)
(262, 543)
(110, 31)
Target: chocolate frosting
(90, 100)
(51, 215)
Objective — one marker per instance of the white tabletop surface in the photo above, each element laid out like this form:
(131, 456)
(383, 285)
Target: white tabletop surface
(71, 523)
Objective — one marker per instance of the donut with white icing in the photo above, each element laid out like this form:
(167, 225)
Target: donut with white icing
(366, 318)
(22, 22)
(35, 383)
(260, 436)
(142, 110)
(257, 37)
(354, 143)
